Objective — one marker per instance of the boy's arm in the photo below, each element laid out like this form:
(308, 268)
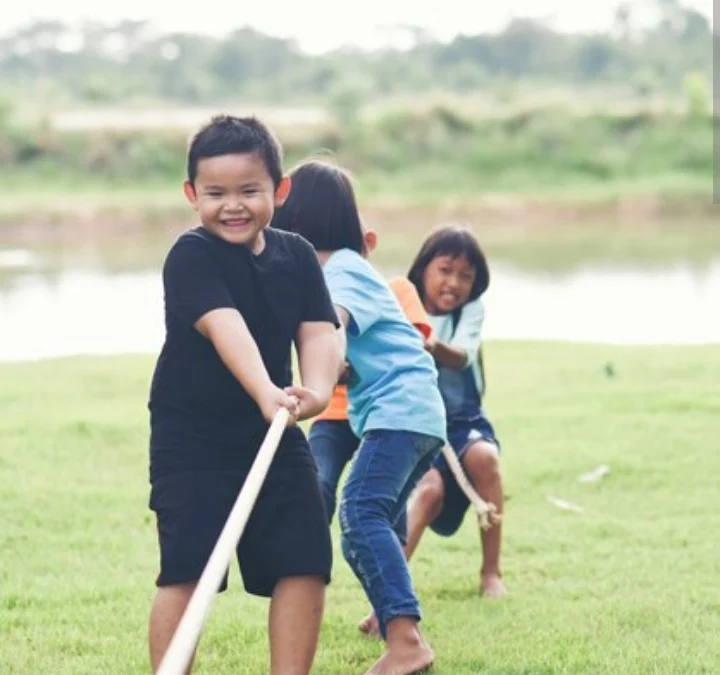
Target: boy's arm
(320, 359)
(320, 347)
(229, 334)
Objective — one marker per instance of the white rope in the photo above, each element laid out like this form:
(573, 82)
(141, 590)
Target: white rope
(487, 513)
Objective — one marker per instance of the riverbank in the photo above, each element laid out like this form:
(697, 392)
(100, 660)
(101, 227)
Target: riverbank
(131, 227)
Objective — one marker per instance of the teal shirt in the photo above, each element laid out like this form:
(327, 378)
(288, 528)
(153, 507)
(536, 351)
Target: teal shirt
(462, 390)
(394, 382)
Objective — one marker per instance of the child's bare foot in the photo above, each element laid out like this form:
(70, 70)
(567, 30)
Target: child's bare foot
(369, 625)
(491, 586)
(406, 653)
(410, 659)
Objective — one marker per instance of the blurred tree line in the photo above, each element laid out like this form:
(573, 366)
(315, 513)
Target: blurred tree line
(427, 141)
(126, 62)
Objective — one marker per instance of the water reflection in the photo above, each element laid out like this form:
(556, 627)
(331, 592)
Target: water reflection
(81, 312)
(55, 312)
(675, 305)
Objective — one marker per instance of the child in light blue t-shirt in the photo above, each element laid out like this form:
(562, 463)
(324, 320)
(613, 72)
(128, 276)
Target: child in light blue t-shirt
(389, 365)
(395, 406)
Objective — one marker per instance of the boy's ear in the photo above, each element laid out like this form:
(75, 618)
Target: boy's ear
(283, 190)
(190, 195)
(370, 240)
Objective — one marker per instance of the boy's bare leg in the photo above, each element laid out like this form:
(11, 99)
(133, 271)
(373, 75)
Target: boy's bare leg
(482, 467)
(406, 653)
(296, 611)
(167, 610)
(425, 507)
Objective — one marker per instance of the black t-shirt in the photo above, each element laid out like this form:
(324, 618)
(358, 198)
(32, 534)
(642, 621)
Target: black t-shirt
(200, 415)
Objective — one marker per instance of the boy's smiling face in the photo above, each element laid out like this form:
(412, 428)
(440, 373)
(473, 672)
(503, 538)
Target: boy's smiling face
(235, 198)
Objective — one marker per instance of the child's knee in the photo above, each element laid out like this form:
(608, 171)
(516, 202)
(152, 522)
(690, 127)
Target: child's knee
(173, 598)
(481, 461)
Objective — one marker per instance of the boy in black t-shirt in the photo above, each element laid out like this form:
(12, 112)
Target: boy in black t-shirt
(237, 295)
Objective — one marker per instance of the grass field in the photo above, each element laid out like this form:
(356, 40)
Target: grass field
(629, 586)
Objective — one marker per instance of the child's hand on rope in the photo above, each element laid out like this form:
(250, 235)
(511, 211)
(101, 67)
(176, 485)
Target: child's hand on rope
(310, 403)
(274, 398)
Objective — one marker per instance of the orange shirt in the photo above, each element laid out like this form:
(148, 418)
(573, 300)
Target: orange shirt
(410, 303)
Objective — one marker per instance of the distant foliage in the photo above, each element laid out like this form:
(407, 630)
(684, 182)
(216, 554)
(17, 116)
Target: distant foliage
(127, 62)
(540, 146)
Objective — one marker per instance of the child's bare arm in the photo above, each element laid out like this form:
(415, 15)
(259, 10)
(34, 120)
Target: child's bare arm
(229, 334)
(466, 340)
(448, 355)
(320, 361)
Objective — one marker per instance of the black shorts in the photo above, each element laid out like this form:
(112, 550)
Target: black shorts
(287, 533)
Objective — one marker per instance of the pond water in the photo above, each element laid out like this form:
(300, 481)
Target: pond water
(51, 308)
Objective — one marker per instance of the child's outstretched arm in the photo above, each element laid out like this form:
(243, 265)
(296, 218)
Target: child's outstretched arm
(447, 355)
(320, 359)
(465, 342)
(229, 334)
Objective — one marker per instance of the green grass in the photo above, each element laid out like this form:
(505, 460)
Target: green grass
(627, 586)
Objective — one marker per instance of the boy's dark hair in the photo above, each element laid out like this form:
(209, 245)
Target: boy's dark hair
(322, 208)
(455, 241)
(227, 135)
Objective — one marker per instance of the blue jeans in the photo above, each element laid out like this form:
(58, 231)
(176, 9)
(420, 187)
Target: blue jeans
(386, 469)
(333, 444)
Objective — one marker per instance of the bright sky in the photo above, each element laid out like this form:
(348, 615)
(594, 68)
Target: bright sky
(319, 25)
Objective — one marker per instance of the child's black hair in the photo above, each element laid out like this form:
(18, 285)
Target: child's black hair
(227, 135)
(322, 208)
(455, 241)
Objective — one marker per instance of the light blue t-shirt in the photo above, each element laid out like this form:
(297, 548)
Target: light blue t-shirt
(462, 390)
(394, 381)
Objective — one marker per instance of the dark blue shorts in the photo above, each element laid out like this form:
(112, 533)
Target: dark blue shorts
(461, 435)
